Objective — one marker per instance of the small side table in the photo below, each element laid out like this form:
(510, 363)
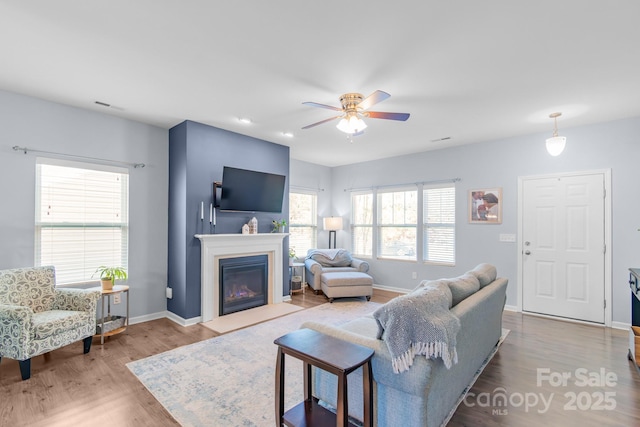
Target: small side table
(119, 324)
(332, 355)
(293, 273)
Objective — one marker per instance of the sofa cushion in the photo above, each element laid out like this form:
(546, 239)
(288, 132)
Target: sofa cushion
(486, 273)
(330, 257)
(463, 286)
(32, 287)
(56, 322)
(440, 283)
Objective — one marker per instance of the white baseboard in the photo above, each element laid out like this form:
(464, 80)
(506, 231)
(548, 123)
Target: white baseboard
(620, 325)
(391, 289)
(182, 321)
(511, 308)
(147, 317)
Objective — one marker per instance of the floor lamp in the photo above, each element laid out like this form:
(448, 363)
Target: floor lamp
(332, 224)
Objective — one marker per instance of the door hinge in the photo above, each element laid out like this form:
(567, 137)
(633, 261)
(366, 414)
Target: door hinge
(605, 303)
(604, 248)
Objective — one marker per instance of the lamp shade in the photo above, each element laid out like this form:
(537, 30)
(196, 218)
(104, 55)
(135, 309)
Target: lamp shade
(332, 223)
(555, 145)
(353, 124)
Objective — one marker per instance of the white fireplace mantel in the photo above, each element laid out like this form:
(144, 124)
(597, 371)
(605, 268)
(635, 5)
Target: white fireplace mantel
(217, 246)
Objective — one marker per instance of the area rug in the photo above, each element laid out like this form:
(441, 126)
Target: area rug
(242, 319)
(230, 380)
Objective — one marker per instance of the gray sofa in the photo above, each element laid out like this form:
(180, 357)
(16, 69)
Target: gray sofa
(320, 261)
(425, 394)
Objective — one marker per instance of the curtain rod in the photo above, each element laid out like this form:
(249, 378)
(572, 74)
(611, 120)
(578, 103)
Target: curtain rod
(297, 187)
(438, 181)
(74, 156)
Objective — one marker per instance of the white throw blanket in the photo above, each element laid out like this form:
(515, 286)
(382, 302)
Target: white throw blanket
(327, 253)
(419, 323)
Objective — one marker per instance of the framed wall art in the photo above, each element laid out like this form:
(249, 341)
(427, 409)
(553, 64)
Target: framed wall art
(485, 206)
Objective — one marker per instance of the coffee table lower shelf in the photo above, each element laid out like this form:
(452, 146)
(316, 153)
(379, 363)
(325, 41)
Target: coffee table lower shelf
(310, 413)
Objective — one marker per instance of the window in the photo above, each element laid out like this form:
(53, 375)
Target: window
(362, 224)
(303, 223)
(397, 224)
(439, 224)
(82, 218)
(399, 234)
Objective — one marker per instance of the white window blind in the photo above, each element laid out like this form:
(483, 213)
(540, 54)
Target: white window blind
(303, 223)
(362, 224)
(439, 224)
(82, 218)
(398, 223)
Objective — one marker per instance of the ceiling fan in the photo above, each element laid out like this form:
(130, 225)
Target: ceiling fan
(354, 108)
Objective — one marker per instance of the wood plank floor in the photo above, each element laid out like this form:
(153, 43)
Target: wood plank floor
(72, 389)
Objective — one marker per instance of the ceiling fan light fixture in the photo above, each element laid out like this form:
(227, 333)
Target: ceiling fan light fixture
(555, 145)
(352, 124)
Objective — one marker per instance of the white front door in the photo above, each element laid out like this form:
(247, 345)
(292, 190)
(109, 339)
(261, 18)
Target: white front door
(563, 246)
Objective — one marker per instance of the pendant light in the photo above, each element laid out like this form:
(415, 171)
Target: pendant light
(555, 144)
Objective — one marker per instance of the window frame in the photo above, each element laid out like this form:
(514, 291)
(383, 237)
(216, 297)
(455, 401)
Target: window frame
(380, 226)
(421, 250)
(313, 226)
(89, 262)
(355, 225)
(438, 224)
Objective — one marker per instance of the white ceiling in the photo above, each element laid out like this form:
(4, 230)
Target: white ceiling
(466, 69)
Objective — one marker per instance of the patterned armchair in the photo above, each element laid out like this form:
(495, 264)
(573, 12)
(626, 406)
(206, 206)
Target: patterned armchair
(36, 318)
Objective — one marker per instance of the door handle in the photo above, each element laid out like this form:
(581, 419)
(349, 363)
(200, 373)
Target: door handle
(527, 252)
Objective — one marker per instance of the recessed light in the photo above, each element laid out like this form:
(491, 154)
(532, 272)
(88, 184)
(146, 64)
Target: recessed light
(244, 120)
(287, 134)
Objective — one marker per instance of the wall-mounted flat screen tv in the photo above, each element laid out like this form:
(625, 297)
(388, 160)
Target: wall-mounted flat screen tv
(251, 191)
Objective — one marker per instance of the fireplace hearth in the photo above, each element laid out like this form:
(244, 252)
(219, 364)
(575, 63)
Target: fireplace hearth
(243, 283)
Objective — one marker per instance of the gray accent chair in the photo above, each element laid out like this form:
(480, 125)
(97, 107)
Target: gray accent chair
(320, 261)
(36, 317)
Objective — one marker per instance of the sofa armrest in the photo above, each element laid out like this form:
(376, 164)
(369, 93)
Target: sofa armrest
(313, 273)
(15, 313)
(76, 299)
(15, 327)
(360, 265)
(414, 381)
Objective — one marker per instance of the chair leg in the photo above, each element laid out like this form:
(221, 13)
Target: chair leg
(25, 368)
(87, 344)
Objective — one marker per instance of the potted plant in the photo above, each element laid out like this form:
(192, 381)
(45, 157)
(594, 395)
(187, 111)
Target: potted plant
(292, 254)
(278, 226)
(108, 275)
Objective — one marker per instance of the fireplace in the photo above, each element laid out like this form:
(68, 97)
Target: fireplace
(217, 247)
(243, 283)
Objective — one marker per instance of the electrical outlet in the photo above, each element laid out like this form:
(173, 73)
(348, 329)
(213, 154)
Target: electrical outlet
(116, 298)
(414, 275)
(169, 293)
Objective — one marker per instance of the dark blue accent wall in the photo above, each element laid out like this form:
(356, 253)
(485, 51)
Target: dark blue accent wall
(197, 155)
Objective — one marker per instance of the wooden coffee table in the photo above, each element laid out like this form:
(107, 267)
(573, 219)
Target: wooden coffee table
(332, 355)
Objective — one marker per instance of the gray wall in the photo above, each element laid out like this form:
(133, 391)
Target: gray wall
(38, 124)
(614, 145)
(49, 126)
(198, 154)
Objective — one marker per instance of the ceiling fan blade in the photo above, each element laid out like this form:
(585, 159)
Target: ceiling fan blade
(321, 122)
(315, 104)
(374, 98)
(388, 116)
